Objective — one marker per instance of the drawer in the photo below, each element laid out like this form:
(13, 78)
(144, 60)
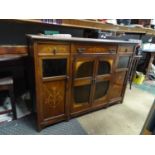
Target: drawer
(53, 48)
(125, 49)
(83, 48)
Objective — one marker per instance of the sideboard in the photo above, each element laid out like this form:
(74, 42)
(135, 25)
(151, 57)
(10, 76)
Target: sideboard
(74, 76)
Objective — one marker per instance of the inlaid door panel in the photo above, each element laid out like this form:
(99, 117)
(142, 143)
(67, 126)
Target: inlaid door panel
(54, 75)
(53, 98)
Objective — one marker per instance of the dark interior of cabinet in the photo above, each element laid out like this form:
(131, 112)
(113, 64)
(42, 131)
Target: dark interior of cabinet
(54, 67)
(82, 93)
(101, 89)
(123, 62)
(85, 69)
(103, 67)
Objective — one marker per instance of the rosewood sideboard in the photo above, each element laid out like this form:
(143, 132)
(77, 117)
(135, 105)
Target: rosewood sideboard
(74, 76)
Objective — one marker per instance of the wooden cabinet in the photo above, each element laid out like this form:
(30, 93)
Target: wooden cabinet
(76, 76)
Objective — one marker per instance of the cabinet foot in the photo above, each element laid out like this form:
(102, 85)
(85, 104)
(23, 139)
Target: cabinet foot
(67, 119)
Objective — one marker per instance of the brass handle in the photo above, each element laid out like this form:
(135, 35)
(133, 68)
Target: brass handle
(81, 50)
(126, 50)
(112, 51)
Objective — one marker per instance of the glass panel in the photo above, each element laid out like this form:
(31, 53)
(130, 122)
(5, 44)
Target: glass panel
(54, 67)
(82, 93)
(123, 62)
(103, 67)
(84, 69)
(101, 89)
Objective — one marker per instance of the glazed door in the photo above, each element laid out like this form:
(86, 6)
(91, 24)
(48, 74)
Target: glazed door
(54, 75)
(120, 76)
(102, 79)
(83, 72)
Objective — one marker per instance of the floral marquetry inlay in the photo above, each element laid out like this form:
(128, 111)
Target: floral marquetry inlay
(53, 96)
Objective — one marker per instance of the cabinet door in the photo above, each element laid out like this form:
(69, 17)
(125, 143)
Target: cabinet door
(102, 79)
(119, 77)
(83, 71)
(53, 86)
(117, 86)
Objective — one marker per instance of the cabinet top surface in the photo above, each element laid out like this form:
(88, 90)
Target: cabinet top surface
(77, 39)
(149, 51)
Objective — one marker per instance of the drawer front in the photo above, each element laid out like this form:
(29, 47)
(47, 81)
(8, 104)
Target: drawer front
(82, 48)
(53, 48)
(125, 49)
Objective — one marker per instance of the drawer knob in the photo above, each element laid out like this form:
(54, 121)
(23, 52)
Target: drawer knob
(54, 50)
(81, 50)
